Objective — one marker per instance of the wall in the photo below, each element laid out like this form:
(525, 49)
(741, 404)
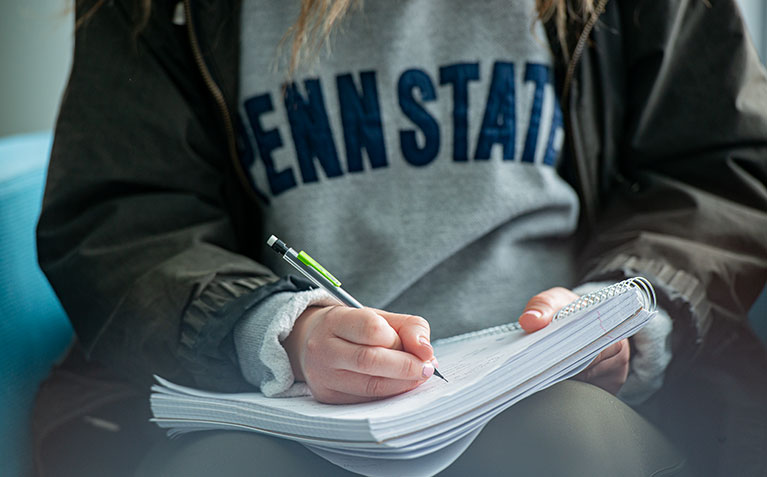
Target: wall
(35, 56)
(755, 14)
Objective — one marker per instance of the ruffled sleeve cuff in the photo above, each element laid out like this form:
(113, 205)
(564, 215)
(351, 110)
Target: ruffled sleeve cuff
(258, 337)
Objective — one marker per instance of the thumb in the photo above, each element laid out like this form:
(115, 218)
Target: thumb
(541, 308)
(414, 332)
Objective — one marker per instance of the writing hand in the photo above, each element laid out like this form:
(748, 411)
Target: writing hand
(609, 370)
(348, 355)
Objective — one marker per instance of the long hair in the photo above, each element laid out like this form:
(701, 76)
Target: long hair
(318, 18)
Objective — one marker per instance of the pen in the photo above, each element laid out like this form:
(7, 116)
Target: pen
(318, 275)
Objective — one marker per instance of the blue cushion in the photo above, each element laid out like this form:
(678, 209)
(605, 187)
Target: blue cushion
(34, 330)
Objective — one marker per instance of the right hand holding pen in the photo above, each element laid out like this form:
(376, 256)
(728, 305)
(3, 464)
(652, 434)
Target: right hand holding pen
(349, 355)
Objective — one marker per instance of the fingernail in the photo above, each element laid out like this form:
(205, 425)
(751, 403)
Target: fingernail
(434, 363)
(428, 370)
(531, 313)
(424, 341)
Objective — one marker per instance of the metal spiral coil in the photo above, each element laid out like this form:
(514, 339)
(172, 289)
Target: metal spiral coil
(646, 296)
(641, 284)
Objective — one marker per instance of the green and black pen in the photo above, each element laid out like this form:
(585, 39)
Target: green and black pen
(318, 275)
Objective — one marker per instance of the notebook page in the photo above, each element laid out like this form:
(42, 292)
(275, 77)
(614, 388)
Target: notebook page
(429, 440)
(463, 362)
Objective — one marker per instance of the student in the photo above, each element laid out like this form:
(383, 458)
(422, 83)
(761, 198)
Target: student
(449, 160)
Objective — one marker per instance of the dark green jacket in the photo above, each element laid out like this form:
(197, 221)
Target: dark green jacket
(148, 227)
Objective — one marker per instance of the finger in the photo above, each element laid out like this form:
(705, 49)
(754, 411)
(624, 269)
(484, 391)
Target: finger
(612, 356)
(330, 396)
(614, 349)
(356, 384)
(362, 326)
(597, 371)
(607, 376)
(609, 373)
(541, 308)
(606, 353)
(379, 361)
(414, 332)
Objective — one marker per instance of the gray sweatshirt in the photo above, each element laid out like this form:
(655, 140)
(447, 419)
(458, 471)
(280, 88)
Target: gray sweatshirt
(415, 157)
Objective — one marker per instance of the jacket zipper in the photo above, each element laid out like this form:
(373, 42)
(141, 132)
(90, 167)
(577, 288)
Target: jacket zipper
(580, 164)
(218, 97)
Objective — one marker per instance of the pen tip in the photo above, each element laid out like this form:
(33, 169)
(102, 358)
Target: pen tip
(439, 375)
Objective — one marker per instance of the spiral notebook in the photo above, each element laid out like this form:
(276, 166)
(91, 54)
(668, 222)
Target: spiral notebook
(422, 431)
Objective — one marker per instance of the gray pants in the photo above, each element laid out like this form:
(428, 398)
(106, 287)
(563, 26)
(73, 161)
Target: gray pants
(570, 429)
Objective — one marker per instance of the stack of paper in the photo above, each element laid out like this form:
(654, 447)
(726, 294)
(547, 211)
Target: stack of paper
(426, 429)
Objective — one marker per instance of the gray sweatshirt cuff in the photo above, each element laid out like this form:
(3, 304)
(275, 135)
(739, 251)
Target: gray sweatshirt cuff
(258, 340)
(650, 354)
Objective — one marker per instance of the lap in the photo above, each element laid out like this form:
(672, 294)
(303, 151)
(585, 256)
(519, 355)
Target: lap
(233, 454)
(571, 428)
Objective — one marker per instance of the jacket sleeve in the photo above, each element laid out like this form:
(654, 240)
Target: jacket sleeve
(689, 209)
(136, 235)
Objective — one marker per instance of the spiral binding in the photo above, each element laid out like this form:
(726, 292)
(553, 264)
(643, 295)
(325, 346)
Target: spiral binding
(646, 296)
(646, 299)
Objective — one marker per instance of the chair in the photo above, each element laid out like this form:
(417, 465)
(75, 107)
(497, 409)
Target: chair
(34, 330)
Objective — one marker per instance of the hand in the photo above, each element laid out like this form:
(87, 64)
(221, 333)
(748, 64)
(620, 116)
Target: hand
(609, 370)
(348, 355)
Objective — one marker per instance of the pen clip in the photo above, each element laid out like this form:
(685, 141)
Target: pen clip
(310, 262)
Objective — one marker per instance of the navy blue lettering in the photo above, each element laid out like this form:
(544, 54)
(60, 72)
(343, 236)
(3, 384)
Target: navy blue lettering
(498, 124)
(247, 156)
(361, 119)
(311, 130)
(550, 156)
(539, 74)
(266, 142)
(459, 76)
(415, 155)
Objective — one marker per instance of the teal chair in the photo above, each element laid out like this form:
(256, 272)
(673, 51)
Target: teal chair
(34, 331)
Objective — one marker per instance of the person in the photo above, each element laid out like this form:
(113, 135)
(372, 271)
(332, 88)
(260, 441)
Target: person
(449, 161)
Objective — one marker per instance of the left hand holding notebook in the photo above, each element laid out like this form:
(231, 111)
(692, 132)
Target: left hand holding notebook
(348, 355)
(609, 370)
